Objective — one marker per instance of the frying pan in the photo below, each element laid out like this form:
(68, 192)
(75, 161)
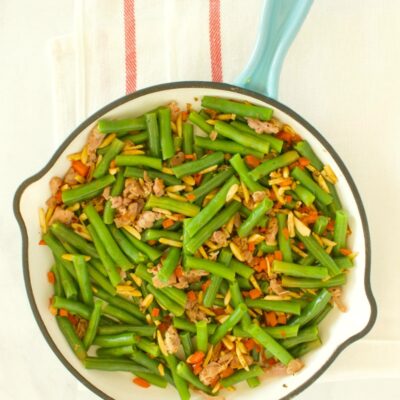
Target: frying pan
(258, 84)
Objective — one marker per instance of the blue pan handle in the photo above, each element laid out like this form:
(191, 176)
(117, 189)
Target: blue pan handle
(280, 22)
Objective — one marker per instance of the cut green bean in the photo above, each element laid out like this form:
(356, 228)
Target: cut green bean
(193, 167)
(138, 160)
(72, 338)
(186, 373)
(213, 267)
(300, 271)
(305, 179)
(234, 107)
(92, 328)
(320, 224)
(86, 191)
(145, 330)
(122, 125)
(202, 336)
(113, 364)
(169, 264)
(340, 231)
(243, 138)
(137, 138)
(186, 341)
(149, 251)
(303, 283)
(100, 280)
(67, 282)
(114, 351)
(188, 209)
(239, 376)
(134, 172)
(306, 151)
(185, 325)
(304, 195)
(116, 190)
(187, 133)
(72, 306)
(304, 348)
(283, 240)
(180, 383)
(82, 275)
(274, 305)
(277, 332)
(122, 339)
(243, 172)
(226, 146)
(201, 122)
(254, 218)
(58, 288)
(241, 269)
(236, 300)
(305, 335)
(211, 209)
(121, 315)
(265, 168)
(344, 262)
(165, 302)
(148, 347)
(321, 316)
(155, 234)
(167, 143)
(102, 167)
(154, 134)
(253, 382)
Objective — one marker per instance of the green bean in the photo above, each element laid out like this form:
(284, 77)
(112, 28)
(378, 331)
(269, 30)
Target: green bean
(149, 347)
(154, 134)
(320, 224)
(127, 247)
(121, 315)
(313, 308)
(122, 125)
(241, 269)
(321, 316)
(226, 146)
(211, 209)
(144, 360)
(175, 294)
(114, 351)
(239, 376)
(225, 257)
(336, 204)
(186, 373)
(277, 332)
(169, 264)
(82, 275)
(135, 160)
(301, 271)
(72, 338)
(245, 212)
(180, 383)
(66, 234)
(58, 288)
(234, 107)
(202, 336)
(187, 138)
(304, 195)
(236, 300)
(67, 282)
(145, 330)
(253, 382)
(319, 253)
(154, 234)
(243, 138)
(305, 179)
(121, 303)
(255, 216)
(190, 210)
(149, 251)
(122, 339)
(133, 172)
(72, 306)
(102, 167)
(340, 231)
(208, 185)
(213, 267)
(137, 138)
(92, 328)
(167, 143)
(344, 262)
(185, 325)
(228, 324)
(107, 261)
(267, 249)
(100, 280)
(219, 220)
(337, 280)
(193, 167)
(265, 168)
(186, 341)
(275, 143)
(200, 121)
(305, 335)
(106, 238)
(306, 151)
(243, 172)
(270, 344)
(283, 241)
(304, 348)
(165, 302)
(308, 260)
(116, 190)
(86, 191)
(274, 305)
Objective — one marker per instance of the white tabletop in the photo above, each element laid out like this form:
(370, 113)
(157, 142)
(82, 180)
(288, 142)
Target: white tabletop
(346, 83)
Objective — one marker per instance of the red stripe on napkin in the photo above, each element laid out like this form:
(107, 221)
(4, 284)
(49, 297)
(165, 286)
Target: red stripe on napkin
(215, 40)
(130, 46)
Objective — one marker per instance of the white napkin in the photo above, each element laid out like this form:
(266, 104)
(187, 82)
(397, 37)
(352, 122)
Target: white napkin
(171, 40)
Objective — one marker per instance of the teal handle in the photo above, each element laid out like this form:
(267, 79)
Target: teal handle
(280, 22)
